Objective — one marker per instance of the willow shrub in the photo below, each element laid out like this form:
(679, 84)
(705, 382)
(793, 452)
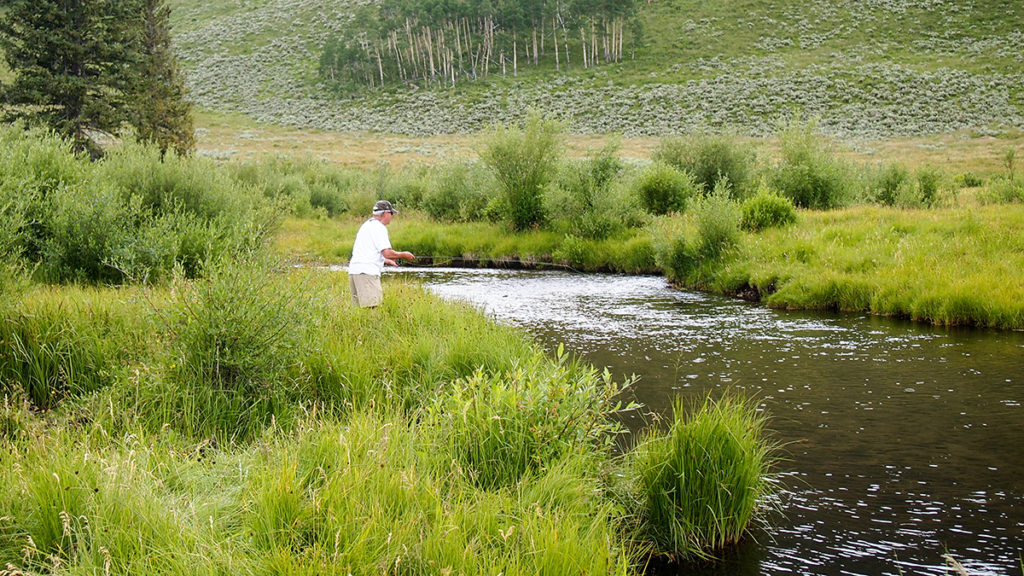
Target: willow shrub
(808, 172)
(663, 188)
(701, 483)
(524, 159)
(592, 199)
(710, 158)
(133, 216)
(766, 209)
(460, 192)
(234, 350)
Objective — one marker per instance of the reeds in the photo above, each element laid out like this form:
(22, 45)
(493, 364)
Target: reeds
(702, 482)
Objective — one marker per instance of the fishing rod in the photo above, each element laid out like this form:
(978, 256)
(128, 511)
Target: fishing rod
(432, 260)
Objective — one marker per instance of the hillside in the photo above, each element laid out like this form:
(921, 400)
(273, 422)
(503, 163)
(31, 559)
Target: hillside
(865, 68)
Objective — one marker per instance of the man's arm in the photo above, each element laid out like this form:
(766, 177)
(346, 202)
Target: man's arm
(390, 256)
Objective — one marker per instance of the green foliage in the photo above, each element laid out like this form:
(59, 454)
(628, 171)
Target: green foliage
(808, 172)
(968, 180)
(72, 65)
(710, 158)
(460, 192)
(431, 43)
(501, 427)
(663, 188)
(700, 483)
(1003, 191)
(524, 158)
(892, 178)
(56, 344)
(717, 220)
(159, 110)
(929, 179)
(235, 348)
(766, 209)
(134, 216)
(592, 200)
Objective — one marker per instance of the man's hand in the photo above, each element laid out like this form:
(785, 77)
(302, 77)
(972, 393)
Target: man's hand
(390, 262)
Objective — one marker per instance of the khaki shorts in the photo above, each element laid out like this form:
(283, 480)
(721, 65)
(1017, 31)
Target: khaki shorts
(366, 291)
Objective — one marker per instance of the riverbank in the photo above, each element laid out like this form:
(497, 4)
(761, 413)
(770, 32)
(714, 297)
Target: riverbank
(958, 265)
(253, 421)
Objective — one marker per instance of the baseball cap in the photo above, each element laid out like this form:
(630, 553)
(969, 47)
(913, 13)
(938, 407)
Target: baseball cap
(384, 206)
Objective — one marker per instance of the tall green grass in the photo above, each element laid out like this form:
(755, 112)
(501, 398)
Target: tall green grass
(502, 427)
(701, 483)
(60, 343)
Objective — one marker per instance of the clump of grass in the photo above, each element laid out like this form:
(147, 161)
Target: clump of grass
(60, 343)
(375, 492)
(700, 484)
(233, 356)
(501, 427)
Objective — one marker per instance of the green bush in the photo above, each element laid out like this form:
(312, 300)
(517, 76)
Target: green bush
(808, 172)
(709, 158)
(893, 177)
(591, 200)
(717, 219)
(135, 215)
(766, 209)
(524, 159)
(82, 227)
(968, 180)
(700, 484)
(305, 187)
(929, 179)
(460, 192)
(235, 350)
(663, 188)
(1003, 191)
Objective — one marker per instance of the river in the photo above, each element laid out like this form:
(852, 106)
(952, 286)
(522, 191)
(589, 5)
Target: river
(903, 441)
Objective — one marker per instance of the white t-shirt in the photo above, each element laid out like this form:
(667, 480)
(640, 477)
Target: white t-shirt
(371, 240)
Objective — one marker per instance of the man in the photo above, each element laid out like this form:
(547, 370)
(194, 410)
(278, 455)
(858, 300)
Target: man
(371, 251)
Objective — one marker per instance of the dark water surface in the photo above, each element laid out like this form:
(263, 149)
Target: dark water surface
(904, 441)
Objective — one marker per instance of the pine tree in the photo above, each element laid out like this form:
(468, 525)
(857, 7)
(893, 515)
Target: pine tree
(73, 63)
(160, 113)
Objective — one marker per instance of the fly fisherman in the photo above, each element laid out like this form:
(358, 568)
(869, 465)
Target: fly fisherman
(371, 251)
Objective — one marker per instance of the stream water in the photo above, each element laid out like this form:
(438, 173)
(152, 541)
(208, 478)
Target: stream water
(903, 442)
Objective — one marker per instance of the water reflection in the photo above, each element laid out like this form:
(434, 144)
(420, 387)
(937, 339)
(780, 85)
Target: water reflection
(904, 441)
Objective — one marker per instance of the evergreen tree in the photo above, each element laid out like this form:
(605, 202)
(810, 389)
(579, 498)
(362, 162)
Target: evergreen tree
(73, 63)
(160, 113)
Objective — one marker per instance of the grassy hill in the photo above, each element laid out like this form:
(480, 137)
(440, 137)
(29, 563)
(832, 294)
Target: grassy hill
(866, 68)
